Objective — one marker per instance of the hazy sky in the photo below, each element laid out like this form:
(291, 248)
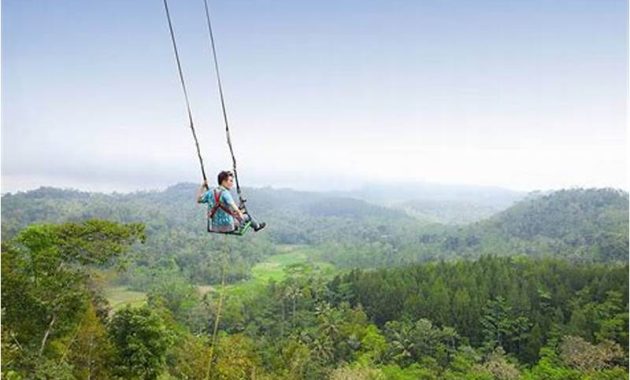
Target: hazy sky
(527, 94)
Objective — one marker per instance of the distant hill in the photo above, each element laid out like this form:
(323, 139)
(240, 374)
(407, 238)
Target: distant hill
(573, 216)
(175, 207)
(439, 203)
(451, 212)
(176, 224)
(580, 223)
(408, 191)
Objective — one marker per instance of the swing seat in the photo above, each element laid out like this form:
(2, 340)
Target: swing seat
(238, 231)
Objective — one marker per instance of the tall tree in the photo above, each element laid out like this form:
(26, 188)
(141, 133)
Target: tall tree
(140, 341)
(45, 291)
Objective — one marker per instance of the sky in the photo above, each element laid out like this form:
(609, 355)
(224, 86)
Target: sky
(522, 94)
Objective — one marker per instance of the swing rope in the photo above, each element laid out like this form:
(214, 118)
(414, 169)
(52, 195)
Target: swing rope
(203, 172)
(219, 307)
(183, 83)
(223, 108)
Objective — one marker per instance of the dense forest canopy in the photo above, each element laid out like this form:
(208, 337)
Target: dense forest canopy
(360, 289)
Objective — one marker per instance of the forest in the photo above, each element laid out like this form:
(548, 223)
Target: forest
(338, 287)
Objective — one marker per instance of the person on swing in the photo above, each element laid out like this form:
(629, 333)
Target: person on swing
(225, 214)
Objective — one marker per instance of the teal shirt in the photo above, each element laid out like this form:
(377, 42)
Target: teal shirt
(222, 221)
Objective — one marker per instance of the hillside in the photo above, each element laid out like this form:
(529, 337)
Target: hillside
(415, 303)
(582, 224)
(589, 224)
(450, 212)
(579, 224)
(176, 225)
(175, 207)
(574, 216)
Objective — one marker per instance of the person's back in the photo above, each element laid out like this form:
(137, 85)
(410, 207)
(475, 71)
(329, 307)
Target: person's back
(225, 215)
(222, 220)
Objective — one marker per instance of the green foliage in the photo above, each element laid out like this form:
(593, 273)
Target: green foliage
(451, 211)
(356, 373)
(175, 230)
(188, 357)
(581, 224)
(410, 342)
(526, 316)
(511, 302)
(46, 288)
(501, 327)
(413, 372)
(235, 359)
(140, 341)
(177, 296)
(89, 351)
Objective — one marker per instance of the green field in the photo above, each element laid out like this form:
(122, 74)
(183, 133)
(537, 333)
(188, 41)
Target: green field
(119, 296)
(274, 269)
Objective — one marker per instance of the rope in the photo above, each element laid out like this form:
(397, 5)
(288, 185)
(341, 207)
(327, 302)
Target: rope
(225, 118)
(219, 306)
(181, 79)
(203, 172)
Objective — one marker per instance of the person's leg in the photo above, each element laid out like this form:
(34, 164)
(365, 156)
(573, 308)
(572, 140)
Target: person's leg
(255, 225)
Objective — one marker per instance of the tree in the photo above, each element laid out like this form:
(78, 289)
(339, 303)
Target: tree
(236, 359)
(580, 354)
(140, 342)
(534, 343)
(496, 322)
(45, 291)
(373, 345)
(188, 357)
(550, 367)
(497, 365)
(89, 351)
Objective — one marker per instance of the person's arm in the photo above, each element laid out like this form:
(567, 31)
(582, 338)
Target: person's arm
(230, 202)
(236, 210)
(202, 190)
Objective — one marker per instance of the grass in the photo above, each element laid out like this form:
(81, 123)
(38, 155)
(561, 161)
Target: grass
(119, 296)
(273, 269)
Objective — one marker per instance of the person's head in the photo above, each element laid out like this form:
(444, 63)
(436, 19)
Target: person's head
(226, 179)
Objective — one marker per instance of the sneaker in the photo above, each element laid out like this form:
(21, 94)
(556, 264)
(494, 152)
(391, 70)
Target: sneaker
(260, 226)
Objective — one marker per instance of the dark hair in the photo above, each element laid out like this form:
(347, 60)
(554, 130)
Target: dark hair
(224, 175)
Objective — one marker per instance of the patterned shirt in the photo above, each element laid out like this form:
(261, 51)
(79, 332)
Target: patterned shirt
(222, 221)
